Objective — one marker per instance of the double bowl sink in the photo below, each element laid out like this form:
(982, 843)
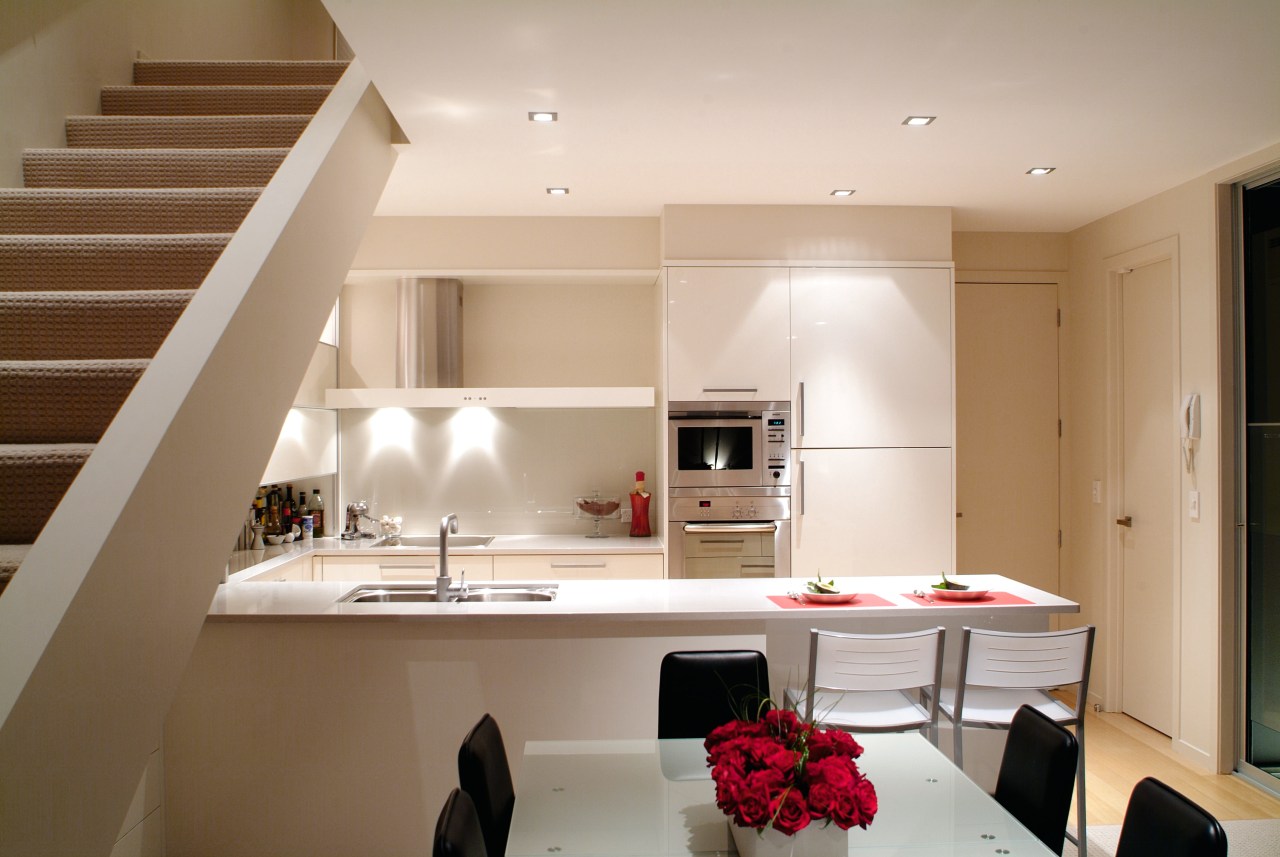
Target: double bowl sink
(391, 593)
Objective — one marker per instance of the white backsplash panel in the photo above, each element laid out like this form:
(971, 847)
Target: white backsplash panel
(502, 471)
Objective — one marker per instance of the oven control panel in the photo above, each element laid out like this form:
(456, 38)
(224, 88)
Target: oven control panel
(729, 509)
(776, 429)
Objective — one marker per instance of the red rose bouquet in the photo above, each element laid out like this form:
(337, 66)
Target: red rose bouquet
(779, 772)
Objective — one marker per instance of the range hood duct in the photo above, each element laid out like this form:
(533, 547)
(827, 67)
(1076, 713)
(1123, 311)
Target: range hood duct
(428, 332)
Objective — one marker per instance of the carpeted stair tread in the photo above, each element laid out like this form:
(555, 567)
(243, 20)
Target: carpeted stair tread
(63, 401)
(87, 325)
(210, 100)
(111, 210)
(150, 168)
(101, 262)
(44, 471)
(184, 132)
(237, 72)
(11, 557)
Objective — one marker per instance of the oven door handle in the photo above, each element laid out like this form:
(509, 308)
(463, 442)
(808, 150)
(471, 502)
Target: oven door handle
(768, 527)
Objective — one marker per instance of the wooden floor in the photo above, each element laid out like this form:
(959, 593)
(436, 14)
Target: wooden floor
(1120, 751)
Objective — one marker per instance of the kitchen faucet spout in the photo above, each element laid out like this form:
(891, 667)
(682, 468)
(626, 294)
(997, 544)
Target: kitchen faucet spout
(448, 524)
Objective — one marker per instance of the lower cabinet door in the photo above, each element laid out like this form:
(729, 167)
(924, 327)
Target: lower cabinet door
(577, 567)
(872, 512)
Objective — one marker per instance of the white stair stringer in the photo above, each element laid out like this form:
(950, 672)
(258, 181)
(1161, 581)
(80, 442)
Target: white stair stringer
(96, 630)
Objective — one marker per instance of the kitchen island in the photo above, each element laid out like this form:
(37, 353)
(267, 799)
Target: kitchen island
(310, 726)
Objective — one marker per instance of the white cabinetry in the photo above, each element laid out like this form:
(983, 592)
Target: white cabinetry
(577, 567)
(727, 334)
(298, 569)
(414, 567)
(871, 357)
(872, 512)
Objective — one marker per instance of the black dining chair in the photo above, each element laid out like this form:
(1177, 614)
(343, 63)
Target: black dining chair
(698, 691)
(1037, 775)
(485, 775)
(458, 831)
(1161, 821)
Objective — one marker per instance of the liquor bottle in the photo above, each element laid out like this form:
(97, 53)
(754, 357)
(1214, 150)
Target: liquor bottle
(640, 508)
(317, 513)
(286, 510)
(273, 523)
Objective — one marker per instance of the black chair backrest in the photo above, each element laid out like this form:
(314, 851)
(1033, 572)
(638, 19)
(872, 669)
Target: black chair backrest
(484, 774)
(458, 829)
(1037, 774)
(698, 691)
(1161, 821)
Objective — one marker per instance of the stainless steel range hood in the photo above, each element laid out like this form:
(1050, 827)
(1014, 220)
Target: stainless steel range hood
(428, 332)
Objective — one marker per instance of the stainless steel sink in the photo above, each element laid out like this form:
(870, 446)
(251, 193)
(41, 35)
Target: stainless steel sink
(397, 594)
(431, 542)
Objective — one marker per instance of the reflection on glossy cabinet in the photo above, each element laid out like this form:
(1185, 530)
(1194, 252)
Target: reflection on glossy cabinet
(871, 357)
(727, 334)
(412, 567)
(577, 567)
(872, 512)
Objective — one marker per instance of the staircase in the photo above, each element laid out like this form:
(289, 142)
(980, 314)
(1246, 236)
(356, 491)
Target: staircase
(104, 247)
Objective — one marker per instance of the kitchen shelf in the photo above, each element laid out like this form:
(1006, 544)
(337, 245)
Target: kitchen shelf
(490, 397)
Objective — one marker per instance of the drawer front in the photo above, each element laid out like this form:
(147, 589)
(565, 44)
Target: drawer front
(403, 567)
(299, 569)
(727, 566)
(727, 544)
(578, 567)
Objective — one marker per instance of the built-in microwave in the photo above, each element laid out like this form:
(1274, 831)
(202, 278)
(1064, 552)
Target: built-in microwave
(728, 444)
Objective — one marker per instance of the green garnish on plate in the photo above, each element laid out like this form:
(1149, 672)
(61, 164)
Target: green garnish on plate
(822, 587)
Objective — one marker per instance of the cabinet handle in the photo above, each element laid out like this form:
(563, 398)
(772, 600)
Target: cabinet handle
(755, 565)
(395, 567)
(800, 490)
(1126, 521)
(730, 389)
(723, 541)
(800, 410)
(597, 564)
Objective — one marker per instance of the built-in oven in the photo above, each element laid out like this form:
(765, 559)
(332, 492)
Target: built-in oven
(729, 503)
(728, 444)
(728, 534)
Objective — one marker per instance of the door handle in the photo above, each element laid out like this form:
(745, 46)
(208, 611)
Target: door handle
(1126, 521)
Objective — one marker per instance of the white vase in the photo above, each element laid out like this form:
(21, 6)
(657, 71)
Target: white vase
(816, 840)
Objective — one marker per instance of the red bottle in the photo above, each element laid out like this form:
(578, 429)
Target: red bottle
(640, 508)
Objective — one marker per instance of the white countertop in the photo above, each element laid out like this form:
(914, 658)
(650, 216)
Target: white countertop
(621, 600)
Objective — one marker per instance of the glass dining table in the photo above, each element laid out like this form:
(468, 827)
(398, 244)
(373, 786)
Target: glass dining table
(655, 798)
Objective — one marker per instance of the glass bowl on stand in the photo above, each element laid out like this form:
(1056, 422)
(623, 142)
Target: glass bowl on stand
(597, 508)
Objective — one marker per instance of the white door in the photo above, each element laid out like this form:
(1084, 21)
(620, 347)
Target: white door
(871, 357)
(1007, 431)
(1149, 511)
(872, 512)
(728, 334)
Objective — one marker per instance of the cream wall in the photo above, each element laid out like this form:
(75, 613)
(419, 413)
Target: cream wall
(1188, 215)
(55, 55)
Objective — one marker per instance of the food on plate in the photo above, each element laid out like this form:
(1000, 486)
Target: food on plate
(821, 587)
(950, 584)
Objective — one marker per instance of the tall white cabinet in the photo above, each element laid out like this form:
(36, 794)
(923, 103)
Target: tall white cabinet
(874, 421)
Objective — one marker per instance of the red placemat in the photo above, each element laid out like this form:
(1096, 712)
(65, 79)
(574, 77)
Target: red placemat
(861, 601)
(991, 599)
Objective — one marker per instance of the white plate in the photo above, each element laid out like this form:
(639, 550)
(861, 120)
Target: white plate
(959, 594)
(829, 597)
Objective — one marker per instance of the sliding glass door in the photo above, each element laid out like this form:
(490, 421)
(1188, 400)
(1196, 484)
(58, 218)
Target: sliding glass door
(1259, 593)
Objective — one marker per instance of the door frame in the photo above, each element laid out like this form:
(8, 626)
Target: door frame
(1117, 266)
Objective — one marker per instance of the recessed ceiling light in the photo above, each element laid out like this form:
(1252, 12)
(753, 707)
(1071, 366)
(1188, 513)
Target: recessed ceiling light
(918, 120)
(842, 193)
(1040, 171)
(557, 191)
(543, 116)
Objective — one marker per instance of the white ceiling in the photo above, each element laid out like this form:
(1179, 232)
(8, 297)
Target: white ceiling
(781, 101)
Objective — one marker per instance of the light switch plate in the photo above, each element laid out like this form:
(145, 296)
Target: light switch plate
(1097, 491)
(1193, 505)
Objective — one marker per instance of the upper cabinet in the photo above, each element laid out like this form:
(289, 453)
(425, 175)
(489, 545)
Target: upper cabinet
(727, 334)
(871, 357)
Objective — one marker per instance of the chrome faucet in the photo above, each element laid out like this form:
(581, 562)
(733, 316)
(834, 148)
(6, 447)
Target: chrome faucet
(448, 524)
